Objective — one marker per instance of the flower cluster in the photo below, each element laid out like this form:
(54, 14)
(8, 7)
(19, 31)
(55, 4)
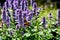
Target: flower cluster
(21, 14)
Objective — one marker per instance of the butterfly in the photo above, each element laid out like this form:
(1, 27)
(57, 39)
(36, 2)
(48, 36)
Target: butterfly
(26, 23)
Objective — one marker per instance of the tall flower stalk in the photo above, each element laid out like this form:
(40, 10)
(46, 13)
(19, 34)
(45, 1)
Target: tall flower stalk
(4, 16)
(9, 3)
(31, 2)
(44, 22)
(58, 18)
(35, 12)
(21, 14)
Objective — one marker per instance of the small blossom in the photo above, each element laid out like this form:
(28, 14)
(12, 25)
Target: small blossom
(58, 18)
(59, 13)
(50, 15)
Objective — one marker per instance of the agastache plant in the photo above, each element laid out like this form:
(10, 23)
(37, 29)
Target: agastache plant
(5, 6)
(34, 5)
(35, 9)
(4, 16)
(9, 3)
(31, 2)
(24, 5)
(15, 4)
(20, 17)
(4, 11)
(58, 18)
(44, 22)
(21, 14)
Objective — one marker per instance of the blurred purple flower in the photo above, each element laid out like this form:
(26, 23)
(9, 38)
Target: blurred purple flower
(31, 2)
(50, 15)
(30, 16)
(58, 18)
(9, 3)
(58, 13)
(15, 16)
(19, 16)
(5, 6)
(44, 21)
(34, 5)
(4, 16)
(24, 5)
(20, 11)
(34, 8)
(15, 4)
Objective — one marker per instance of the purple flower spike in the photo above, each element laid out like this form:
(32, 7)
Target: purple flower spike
(26, 5)
(58, 18)
(59, 13)
(9, 3)
(22, 20)
(34, 5)
(30, 16)
(23, 23)
(15, 4)
(19, 16)
(23, 6)
(5, 6)
(32, 1)
(34, 8)
(24, 14)
(44, 21)
(17, 26)
(15, 15)
(4, 16)
(8, 21)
